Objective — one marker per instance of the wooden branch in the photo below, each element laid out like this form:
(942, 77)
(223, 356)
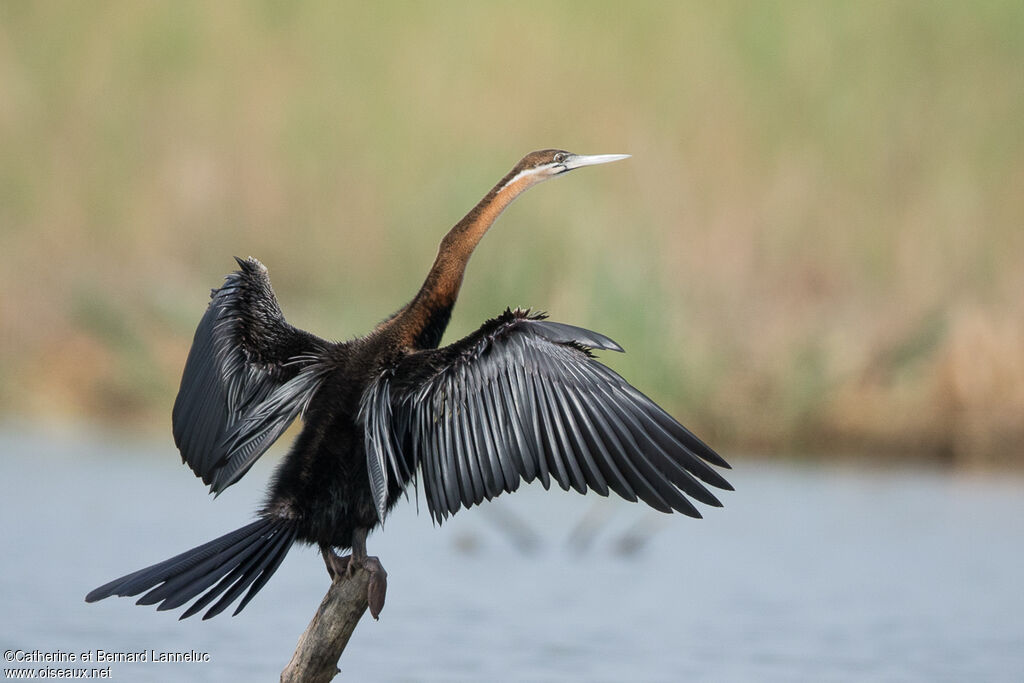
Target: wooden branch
(320, 647)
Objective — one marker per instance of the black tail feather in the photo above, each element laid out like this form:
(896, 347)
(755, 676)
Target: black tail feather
(243, 558)
(239, 578)
(144, 579)
(180, 587)
(267, 571)
(253, 570)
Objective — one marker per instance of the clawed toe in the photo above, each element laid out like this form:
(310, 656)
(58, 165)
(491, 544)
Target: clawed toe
(345, 566)
(377, 589)
(337, 565)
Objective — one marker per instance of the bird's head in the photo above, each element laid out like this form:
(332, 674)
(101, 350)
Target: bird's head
(538, 166)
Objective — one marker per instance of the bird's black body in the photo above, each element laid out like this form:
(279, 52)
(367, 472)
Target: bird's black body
(520, 399)
(323, 480)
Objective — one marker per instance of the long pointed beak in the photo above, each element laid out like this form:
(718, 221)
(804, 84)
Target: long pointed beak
(579, 160)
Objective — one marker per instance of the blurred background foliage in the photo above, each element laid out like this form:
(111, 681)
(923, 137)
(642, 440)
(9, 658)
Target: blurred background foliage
(818, 246)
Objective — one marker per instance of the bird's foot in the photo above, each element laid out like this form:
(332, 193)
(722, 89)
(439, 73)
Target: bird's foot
(337, 565)
(377, 589)
(345, 566)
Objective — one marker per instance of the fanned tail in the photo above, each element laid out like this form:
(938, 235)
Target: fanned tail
(244, 558)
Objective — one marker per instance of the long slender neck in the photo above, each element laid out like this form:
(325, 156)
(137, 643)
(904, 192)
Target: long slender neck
(424, 319)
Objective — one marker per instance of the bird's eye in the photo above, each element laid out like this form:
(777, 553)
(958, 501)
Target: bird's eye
(560, 157)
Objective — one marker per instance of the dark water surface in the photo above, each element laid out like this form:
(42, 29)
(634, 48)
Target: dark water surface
(810, 573)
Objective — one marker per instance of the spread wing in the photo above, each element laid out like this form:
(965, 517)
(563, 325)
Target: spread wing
(521, 399)
(248, 375)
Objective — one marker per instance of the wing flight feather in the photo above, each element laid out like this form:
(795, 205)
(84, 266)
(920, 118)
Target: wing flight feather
(521, 399)
(249, 374)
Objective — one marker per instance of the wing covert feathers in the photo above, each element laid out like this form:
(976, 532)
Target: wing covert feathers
(522, 399)
(249, 374)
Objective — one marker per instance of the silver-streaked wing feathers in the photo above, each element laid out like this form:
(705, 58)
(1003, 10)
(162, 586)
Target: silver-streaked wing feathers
(521, 399)
(249, 374)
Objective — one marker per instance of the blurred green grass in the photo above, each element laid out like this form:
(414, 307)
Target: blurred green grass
(817, 247)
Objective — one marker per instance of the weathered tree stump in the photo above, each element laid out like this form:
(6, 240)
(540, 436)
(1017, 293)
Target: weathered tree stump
(320, 647)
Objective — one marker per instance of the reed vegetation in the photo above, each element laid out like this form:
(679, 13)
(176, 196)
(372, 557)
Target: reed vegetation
(818, 246)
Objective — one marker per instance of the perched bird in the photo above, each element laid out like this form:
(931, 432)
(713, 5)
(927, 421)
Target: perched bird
(521, 398)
